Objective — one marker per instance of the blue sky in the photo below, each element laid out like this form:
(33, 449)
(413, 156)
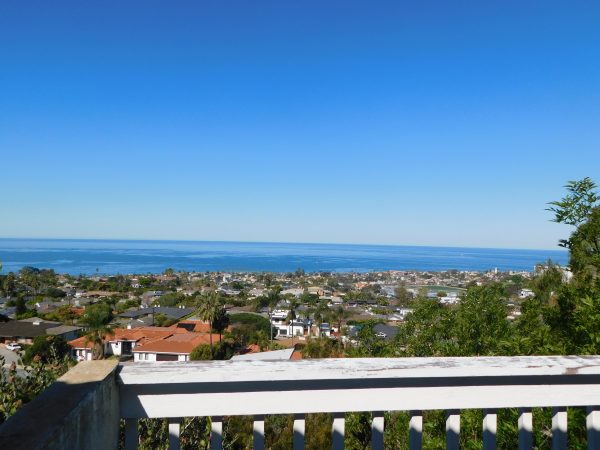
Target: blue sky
(423, 123)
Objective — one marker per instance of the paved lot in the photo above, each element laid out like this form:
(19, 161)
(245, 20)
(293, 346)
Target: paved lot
(9, 356)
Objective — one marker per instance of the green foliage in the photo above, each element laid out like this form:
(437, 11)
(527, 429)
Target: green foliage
(480, 322)
(250, 328)
(202, 352)
(278, 432)
(575, 208)
(47, 349)
(322, 347)
(63, 314)
(20, 306)
(221, 320)
(427, 330)
(585, 252)
(97, 315)
(209, 308)
(55, 292)
(369, 345)
(18, 389)
(161, 320)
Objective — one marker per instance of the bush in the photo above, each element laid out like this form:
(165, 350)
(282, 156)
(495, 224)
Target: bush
(47, 348)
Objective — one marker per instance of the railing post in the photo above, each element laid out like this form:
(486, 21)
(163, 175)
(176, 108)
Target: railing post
(415, 432)
(377, 427)
(131, 434)
(559, 428)
(593, 427)
(174, 428)
(490, 425)
(216, 433)
(299, 428)
(258, 433)
(452, 429)
(525, 429)
(337, 431)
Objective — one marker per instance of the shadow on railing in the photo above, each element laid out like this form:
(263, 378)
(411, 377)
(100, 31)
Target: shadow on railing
(253, 388)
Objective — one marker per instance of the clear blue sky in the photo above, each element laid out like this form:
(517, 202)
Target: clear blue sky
(434, 123)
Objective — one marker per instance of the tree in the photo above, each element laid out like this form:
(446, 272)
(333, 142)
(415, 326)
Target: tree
(221, 321)
(202, 352)
(340, 316)
(585, 250)
(20, 306)
(291, 317)
(402, 295)
(47, 348)
(9, 284)
(576, 207)
(272, 300)
(208, 310)
(480, 323)
(97, 317)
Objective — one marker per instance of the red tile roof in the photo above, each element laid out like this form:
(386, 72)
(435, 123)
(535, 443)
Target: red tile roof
(177, 343)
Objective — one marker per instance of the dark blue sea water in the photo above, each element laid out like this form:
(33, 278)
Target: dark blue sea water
(111, 257)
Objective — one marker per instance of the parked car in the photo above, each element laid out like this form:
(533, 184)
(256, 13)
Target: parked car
(13, 346)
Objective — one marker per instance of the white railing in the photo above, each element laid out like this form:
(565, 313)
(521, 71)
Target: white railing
(258, 388)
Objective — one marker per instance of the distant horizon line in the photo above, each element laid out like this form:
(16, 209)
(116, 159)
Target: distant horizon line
(559, 250)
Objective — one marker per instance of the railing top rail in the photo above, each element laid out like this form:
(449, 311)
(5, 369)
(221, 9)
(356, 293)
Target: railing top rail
(355, 368)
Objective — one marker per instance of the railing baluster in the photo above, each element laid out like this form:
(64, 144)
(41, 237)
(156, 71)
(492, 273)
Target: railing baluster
(593, 427)
(490, 425)
(452, 429)
(377, 426)
(415, 430)
(299, 428)
(559, 428)
(131, 434)
(337, 431)
(216, 433)
(174, 427)
(258, 433)
(525, 429)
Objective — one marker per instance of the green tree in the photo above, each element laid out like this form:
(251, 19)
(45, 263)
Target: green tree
(208, 310)
(221, 321)
(47, 348)
(480, 322)
(202, 352)
(9, 284)
(402, 295)
(576, 207)
(20, 306)
(96, 318)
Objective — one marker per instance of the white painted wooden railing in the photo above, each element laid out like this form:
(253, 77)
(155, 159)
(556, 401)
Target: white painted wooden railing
(258, 388)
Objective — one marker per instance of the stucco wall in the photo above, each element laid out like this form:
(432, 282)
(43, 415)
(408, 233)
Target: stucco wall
(79, 411)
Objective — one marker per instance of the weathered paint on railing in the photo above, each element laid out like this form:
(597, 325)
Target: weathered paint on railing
(372, 384)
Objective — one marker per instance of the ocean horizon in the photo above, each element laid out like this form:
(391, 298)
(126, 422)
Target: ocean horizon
(109, 257)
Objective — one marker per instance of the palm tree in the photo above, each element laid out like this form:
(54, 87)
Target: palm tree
(96, 337)
(208, 310)
(273, 299)
(340, 315)
(291, 317)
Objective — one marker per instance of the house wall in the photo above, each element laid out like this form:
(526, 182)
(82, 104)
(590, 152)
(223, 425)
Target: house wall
(151, 357)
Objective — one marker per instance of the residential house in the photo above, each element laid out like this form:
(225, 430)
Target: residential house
(25, 331)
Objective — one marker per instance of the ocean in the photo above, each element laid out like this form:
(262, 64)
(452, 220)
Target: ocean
(130, 256)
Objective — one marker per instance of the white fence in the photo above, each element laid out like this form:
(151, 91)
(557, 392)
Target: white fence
(258, 388)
